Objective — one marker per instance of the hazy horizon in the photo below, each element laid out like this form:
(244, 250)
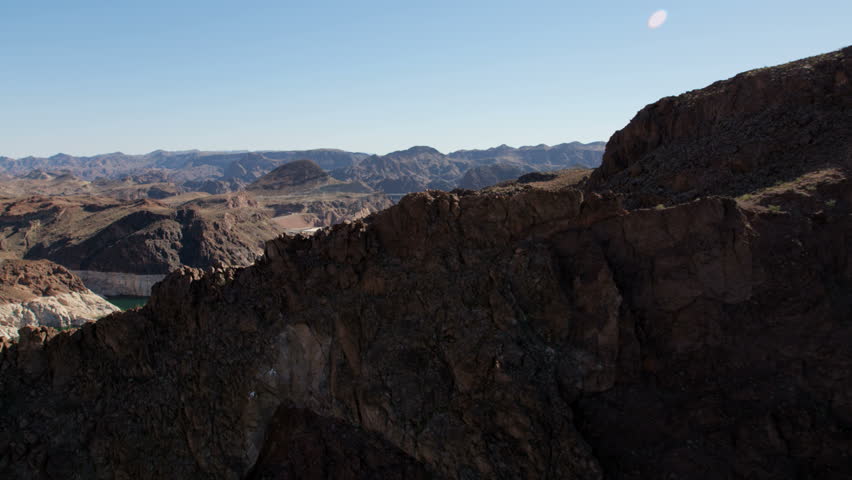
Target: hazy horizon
(376, 77)
(261, 150)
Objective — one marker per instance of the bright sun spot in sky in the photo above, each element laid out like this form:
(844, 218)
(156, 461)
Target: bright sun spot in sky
(657, 19)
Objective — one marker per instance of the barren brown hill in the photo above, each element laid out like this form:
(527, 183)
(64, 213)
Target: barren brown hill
(86, 233)
(530, 330)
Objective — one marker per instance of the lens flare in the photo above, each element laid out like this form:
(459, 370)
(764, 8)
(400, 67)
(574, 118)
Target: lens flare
(657, 19)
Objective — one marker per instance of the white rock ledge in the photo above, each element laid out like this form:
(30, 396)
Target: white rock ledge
(63, 310)
(114, 283)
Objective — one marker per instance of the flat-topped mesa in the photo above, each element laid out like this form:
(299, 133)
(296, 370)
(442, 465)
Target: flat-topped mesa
(735, 136)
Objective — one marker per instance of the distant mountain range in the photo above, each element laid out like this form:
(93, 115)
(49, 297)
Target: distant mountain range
(415, 169)
(120, 236)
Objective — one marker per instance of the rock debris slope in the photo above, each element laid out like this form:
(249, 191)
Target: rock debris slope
(538, 329)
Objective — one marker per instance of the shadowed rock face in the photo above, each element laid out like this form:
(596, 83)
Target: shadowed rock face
(301, 444)
(754, 130)
(530, 330)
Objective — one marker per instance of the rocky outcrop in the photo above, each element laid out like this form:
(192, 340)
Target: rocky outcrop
(532, 330)
(736, 136)
(59, 311)
(43, 293)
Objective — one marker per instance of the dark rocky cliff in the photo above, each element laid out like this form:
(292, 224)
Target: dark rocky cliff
(532, 330)
(736, 136)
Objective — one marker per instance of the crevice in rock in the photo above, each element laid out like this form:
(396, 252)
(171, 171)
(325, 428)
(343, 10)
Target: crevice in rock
(300, 444)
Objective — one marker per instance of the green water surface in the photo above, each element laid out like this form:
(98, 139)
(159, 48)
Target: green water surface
(127, 302)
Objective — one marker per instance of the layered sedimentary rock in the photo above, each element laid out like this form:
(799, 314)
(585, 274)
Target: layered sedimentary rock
(43, 293)
(542, 329)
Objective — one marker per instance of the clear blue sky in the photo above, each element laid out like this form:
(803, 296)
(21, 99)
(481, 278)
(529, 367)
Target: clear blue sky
(85, 77)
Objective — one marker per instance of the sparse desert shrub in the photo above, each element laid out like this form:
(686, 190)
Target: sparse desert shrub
(774, 208)
(831, 203)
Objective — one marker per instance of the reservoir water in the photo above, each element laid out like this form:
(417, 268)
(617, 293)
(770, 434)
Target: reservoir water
(126, 302)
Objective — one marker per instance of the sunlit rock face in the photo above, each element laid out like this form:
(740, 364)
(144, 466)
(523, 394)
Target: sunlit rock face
(34, 293)
(59, 311)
